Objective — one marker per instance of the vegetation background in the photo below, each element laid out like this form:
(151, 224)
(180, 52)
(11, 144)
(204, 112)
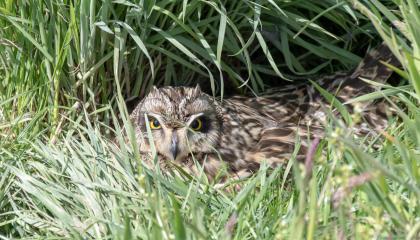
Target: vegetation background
(68, 67)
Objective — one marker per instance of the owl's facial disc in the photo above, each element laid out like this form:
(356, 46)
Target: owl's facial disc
(175, 139)
(182, 120)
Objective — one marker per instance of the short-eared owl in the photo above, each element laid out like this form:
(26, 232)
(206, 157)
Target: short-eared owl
(189, 126)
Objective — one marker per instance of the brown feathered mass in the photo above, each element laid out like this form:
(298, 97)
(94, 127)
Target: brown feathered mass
(239, 133)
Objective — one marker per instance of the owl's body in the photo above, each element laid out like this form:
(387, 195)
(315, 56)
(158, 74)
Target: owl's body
(239, 133)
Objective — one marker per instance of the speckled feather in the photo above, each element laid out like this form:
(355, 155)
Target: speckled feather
(241, 132)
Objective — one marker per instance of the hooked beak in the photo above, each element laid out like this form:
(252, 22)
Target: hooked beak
(174, 145)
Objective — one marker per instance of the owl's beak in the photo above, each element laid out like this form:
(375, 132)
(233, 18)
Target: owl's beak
(174, 145)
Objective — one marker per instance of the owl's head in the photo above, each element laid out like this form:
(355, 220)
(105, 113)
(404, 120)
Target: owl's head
(182, 121)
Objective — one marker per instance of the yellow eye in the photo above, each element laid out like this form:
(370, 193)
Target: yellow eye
(154, 124)
(197, 124)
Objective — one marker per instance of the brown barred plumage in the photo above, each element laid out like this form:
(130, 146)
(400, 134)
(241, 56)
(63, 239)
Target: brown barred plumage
(241, 132)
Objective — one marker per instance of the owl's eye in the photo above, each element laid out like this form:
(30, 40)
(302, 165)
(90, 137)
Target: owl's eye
(197, 124)
(154, 124)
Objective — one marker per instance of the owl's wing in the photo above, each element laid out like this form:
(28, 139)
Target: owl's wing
(301, 112)
(370, 68)
(276, 146)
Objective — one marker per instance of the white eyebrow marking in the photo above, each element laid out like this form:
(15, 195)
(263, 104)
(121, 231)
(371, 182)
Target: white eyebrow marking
(155, 115)
(193, 117)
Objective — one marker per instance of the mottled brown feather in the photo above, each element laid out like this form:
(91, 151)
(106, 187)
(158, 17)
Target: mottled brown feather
(242, 132)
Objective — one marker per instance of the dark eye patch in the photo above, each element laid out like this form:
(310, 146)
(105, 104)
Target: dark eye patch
(196, 124)
(205, 121)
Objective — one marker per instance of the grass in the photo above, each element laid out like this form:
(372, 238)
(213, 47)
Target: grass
(67, 66)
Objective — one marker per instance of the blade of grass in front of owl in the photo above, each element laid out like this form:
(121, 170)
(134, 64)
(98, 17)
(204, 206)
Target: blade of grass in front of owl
(334, 102)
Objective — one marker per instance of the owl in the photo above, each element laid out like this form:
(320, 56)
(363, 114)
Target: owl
(185, 127)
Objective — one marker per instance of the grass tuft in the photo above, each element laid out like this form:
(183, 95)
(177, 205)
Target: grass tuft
(68, 66)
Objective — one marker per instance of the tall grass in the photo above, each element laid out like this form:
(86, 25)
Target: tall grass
(58, 52)
(67, 66)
